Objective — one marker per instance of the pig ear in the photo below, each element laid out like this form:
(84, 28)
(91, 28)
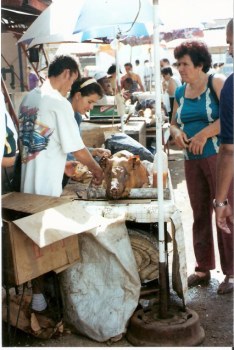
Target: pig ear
(103, 162)
(134, 161)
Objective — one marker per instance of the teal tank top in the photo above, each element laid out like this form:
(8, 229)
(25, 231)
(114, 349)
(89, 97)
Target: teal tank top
(193, 115)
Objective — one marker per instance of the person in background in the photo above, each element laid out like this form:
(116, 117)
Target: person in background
(112, 77)
(169, 84)
(103, 79)
(33, 80)
(137, 83)
(225, 166)
(139, 69)
(47, 133)
(164, 62)
(147, 75)
(137, 66)
(216, 67)
(128, 89)
(195, 127)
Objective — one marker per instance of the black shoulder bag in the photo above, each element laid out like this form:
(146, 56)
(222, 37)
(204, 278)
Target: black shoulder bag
(212, 90)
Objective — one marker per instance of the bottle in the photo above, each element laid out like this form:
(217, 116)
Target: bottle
(164, 167)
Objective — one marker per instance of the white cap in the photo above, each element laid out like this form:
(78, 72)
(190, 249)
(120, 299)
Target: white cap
(100, 75)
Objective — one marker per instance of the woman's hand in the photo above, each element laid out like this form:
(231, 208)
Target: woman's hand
(180, 137)
(196, 143)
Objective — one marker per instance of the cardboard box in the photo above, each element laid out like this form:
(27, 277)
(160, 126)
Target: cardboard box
(34, 240)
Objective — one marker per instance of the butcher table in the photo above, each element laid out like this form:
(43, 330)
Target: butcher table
(142, 211)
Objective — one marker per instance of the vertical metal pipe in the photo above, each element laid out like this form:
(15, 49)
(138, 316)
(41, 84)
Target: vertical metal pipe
(162, 255)
(21, 68)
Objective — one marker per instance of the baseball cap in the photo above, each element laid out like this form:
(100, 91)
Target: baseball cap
(100, 75)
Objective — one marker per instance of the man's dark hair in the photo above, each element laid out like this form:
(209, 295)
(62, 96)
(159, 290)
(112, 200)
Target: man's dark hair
(128, 81)
(166, 60)
(60, 63)
(137, 62)
(128, 64)
(166, 70)
(112, 69)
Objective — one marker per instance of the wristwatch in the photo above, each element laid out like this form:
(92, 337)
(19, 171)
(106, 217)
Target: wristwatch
(221, 204)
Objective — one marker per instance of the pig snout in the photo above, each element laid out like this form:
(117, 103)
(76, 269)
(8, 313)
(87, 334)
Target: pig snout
(115, 189)
(116, 185)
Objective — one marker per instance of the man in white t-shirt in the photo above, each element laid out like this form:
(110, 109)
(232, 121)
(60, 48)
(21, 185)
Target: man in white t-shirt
(48, 132)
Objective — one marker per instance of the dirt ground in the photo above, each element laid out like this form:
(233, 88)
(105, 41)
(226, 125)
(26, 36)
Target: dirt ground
(215, 311)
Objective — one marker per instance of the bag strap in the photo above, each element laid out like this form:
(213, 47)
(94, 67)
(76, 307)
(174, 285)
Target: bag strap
(212, 90)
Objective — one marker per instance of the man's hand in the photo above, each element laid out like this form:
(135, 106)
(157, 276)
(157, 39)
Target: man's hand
(98, 175)
(224, 215)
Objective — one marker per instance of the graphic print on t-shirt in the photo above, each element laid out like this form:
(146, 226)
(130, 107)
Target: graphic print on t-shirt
(33, 135)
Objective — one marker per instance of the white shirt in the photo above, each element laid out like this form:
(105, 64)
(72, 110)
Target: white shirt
(48, 131)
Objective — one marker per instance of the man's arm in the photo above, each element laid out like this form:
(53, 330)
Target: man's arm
(225, 171)
(224, 178)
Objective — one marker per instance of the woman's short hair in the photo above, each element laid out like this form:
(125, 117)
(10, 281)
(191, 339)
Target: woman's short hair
(88, 89)
(197, 51)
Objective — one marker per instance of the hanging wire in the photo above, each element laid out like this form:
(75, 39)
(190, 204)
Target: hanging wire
(134, 21)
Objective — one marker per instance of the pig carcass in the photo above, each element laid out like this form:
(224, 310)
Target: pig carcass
(122, 172)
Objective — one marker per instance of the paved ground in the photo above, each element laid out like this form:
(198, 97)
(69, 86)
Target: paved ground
(215, 312)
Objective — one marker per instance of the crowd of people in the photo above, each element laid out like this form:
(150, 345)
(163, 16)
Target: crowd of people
(49, 125)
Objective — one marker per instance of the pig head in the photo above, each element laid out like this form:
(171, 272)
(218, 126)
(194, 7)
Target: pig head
(122, 172)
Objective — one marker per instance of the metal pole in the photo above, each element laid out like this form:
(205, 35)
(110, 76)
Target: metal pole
(162, 255)
(120, 105)
(21, 68)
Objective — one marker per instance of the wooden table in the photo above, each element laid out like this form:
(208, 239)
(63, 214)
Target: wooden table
(93, 134)
(137, 130)
(151, 133)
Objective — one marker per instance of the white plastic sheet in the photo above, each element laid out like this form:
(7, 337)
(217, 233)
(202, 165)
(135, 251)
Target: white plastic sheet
(101, 292)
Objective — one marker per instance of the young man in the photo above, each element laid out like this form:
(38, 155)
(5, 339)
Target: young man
(137, 83)
(47, 133)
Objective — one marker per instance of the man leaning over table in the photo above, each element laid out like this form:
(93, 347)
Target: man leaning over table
(47, 133)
